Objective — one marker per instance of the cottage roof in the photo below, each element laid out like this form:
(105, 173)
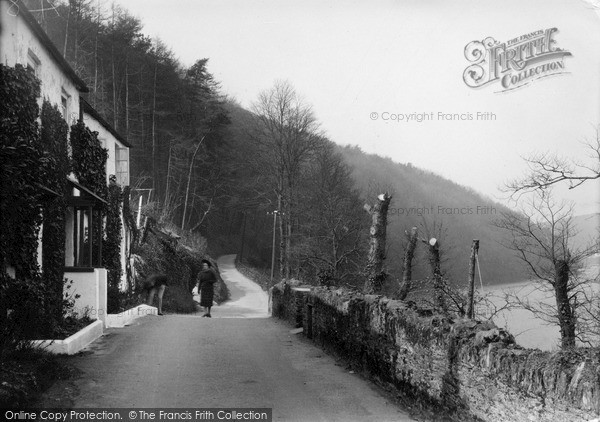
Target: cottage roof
(87, 108)
(50, 47)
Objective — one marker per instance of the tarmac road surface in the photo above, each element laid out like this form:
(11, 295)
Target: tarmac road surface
(238, 358)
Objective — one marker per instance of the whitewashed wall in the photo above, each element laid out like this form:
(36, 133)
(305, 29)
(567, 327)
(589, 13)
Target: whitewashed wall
(17, 41)
(111, 143)
(92, 290)
(108, 141)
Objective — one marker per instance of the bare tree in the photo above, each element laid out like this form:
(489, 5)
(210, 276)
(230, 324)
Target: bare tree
(287, 136)
(331, 220)
(540, 236)
(546, 169)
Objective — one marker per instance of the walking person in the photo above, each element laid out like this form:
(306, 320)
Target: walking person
(156, 284)
(206, 283)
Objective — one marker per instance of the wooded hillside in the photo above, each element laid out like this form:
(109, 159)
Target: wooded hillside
(453, 213)
(214, 168)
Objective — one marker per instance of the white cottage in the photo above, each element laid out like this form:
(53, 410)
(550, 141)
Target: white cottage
(117, 164)
(23, 41)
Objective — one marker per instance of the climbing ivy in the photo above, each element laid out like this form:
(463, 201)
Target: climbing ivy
(111, 259)
(24, 169)
(89, 159)
(54, 136)
(22, 161)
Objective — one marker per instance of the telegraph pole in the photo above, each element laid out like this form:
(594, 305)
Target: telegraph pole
(275, 212)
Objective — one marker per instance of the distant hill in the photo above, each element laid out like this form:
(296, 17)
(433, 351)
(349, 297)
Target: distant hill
(588, 230)
(463, 213)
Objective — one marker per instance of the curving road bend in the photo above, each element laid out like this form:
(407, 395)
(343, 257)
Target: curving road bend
(247, 299)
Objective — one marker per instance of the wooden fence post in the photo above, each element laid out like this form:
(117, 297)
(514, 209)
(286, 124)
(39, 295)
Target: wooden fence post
(472, 260)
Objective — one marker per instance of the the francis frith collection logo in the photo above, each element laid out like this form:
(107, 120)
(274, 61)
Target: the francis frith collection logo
(516, 62)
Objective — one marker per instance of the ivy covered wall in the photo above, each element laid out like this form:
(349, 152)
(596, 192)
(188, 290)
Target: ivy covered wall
(111, 259)
(54, 136)
(89, 159)
(22, 162)
(34, 159)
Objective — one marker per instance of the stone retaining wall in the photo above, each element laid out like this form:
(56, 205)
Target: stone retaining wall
(464, 367)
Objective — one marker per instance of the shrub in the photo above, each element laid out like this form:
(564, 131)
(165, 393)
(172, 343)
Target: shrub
(180, 259)
(179, 300)
(24, 375)
(22, 315)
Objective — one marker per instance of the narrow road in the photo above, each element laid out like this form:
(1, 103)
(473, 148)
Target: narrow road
(239, 358)
(247, 299)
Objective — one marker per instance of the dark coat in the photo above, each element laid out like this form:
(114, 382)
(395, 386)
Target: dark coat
(207, 281)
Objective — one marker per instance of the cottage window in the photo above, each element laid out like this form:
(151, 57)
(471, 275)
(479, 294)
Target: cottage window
(122, 165)
(64, 104)
(33, 62)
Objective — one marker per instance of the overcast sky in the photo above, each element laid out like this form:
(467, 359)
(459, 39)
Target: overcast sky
(351, 59)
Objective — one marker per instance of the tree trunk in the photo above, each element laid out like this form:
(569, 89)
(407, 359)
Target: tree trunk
(126, 98)
(282, 251)
(374, 269)
(154, 166)
(280, 210)
(409, 254)
(141, 110)
(288, 240)
(67, 33)
(273, 247)
(288, 227)
(94, 97)
(566, 317)
(167, 202)
(192, 205)
(334, 255)
(472, 260)
(114, 77)
(436, 270)
(187, 189)
(76, 34)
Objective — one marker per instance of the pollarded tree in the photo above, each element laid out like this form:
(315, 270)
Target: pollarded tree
(375, 269)
(540, 237)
